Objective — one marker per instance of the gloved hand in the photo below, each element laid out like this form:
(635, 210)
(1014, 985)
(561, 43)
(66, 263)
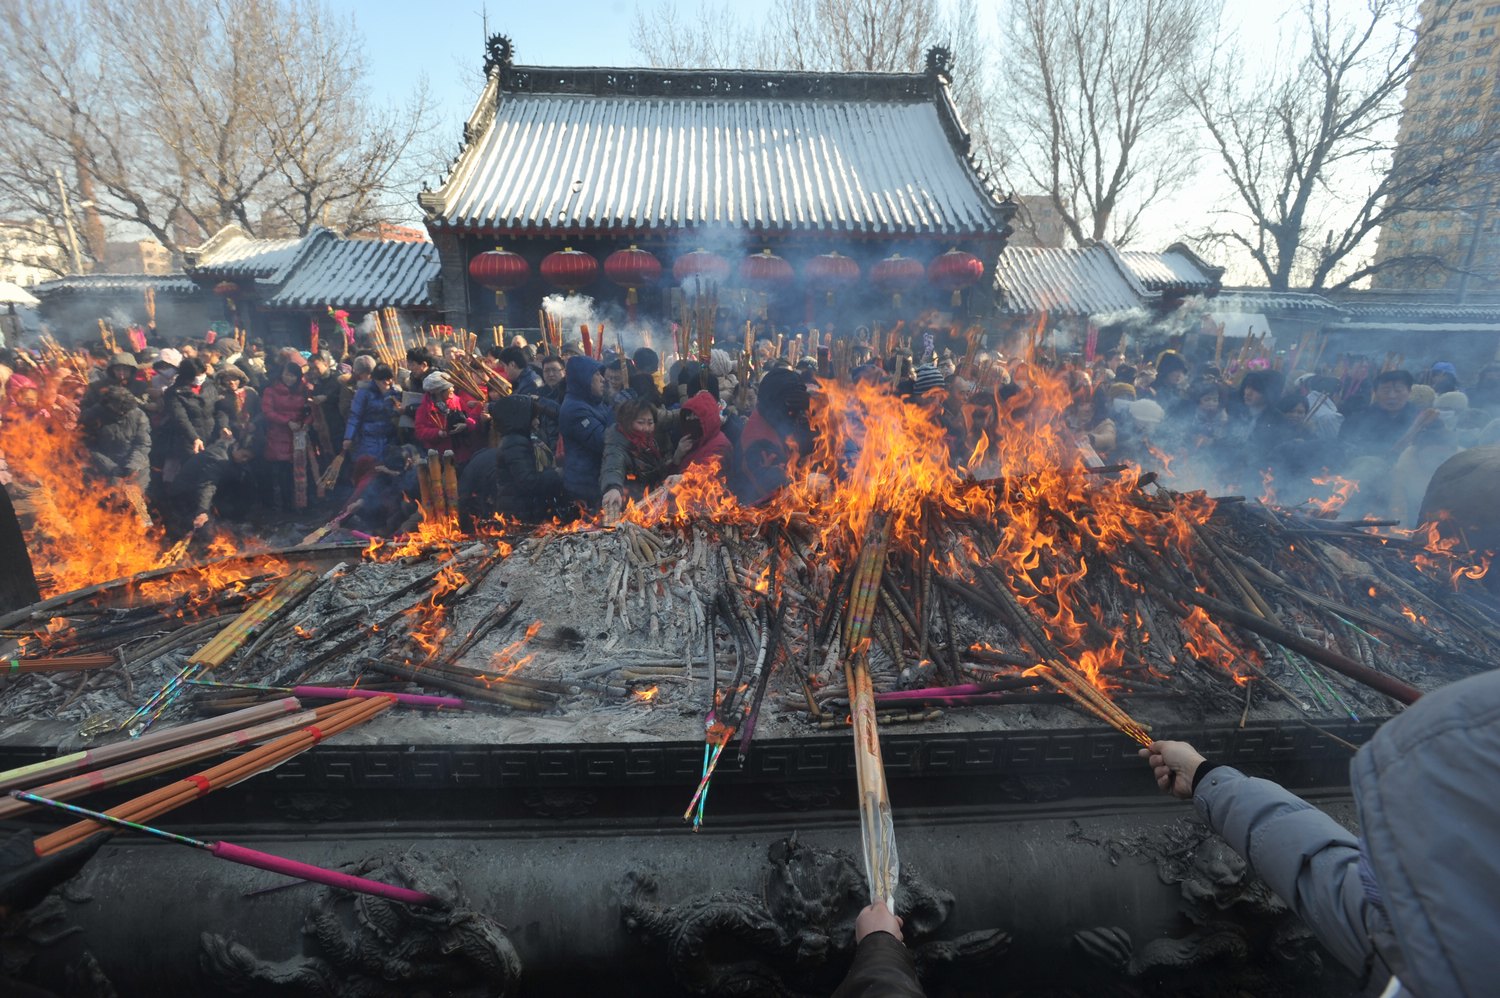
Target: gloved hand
(26, 878)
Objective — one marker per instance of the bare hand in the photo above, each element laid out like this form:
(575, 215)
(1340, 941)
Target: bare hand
(684, 448)
(1174, 764)
(294, 426)
(197, 446)
(348, 446)
(877, 918)
(200, 520)
(612, 503)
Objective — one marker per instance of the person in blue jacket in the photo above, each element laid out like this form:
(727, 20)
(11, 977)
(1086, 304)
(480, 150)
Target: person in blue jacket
(1414, 898)
(582, 421)
(371, 427)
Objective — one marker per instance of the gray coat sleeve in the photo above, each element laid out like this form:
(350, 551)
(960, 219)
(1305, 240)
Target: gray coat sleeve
(1307, 858)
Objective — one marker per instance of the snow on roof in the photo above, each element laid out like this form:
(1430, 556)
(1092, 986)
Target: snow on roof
(360, 273)
(1092, 280)
(631, 150)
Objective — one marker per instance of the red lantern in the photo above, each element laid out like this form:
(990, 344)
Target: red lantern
(765, 272)
(500, 270)
(226, 289)
(954, 271)
(570, 270)
(632, 269)
(897, 275)
(831, 272)
(702, 264)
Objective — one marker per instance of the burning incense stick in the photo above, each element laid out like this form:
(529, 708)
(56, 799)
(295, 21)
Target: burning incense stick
(251, 857)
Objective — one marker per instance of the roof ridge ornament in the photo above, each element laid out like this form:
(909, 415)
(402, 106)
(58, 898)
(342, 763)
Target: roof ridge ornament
(940, 62)
(498, 53)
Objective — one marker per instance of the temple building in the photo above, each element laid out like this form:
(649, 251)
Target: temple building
(814, 198)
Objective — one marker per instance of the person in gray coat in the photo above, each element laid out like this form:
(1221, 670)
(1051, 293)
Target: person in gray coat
(1416, 895)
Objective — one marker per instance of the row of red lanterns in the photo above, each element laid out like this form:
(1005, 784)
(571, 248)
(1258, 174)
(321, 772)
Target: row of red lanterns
(501, 270)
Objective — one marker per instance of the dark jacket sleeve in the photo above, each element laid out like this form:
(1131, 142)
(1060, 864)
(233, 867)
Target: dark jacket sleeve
(181, 431)
(138, 458)
(882, 968)
(616, 464)
(1307, 858)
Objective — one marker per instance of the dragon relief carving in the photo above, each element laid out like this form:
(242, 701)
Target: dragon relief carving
(1234, 916)
(796, 937)
(359, 946)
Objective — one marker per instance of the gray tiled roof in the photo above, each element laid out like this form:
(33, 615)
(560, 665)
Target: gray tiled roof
(82, 284)
(1176, 268)
(233, 254)
(359, 273)
(605, 151)
(1093, 280)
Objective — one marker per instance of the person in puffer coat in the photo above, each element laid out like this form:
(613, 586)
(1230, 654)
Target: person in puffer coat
(522, 490)
(1416, 895)
(582, 421)
(118, 435)
(189, 418)
(371, 427)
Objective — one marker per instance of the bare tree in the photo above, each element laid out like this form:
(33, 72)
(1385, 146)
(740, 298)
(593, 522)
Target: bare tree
(1310, 147)
(842, 36)
(845, 36)
(215, 111)
(1094, 115)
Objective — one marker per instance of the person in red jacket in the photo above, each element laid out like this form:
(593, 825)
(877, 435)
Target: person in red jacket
(284, 409)
(702, 423)
(443, 422)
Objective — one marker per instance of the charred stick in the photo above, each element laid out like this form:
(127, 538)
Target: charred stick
(469, 689)
(1378, 681)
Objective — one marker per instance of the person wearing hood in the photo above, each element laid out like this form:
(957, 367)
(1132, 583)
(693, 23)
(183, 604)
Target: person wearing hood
(238, 402)
(1415, 896)
(776, 437)
(122, 372)
(118, 437)
(701, 422)
(582, 422)
(527, 486)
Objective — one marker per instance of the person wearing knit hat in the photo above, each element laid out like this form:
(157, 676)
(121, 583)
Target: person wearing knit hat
(926, 378)
(436, 383)
(1422, 396)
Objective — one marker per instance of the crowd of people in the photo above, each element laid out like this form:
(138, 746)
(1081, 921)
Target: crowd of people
(194, 434)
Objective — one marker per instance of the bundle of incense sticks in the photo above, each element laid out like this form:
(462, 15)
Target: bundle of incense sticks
(343, 715)
(221, 647)
(167, 760)
(1076, 685)
(437, 486)
(237, 631)
(70, 663)
(249, 857)
(877, 831)
(156, 741)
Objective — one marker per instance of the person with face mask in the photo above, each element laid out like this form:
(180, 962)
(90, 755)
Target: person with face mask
(191, 419)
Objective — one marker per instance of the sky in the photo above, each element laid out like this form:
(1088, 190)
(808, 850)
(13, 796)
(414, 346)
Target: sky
(442, 41)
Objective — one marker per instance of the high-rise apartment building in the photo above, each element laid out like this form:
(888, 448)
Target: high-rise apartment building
(1451, 102)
